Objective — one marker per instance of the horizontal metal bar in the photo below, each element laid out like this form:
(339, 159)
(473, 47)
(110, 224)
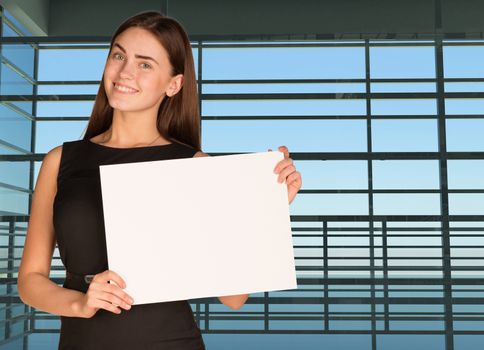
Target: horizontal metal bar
(284, 81)
(336, 218)
(387, 191)
(313, 156)
(266, 96)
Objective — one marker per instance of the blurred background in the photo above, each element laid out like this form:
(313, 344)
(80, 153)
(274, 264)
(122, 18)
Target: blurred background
(381, 104)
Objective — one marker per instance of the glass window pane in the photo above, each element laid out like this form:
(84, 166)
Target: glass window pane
(406, 204)
(404, 135)
(465, 174)
(465, 135)
(463, 61)
(284, 63)
(15, 128)
(466, 203)
(333, 174)
(13, 202)
(15, 173)
(468, 342)
(406, 174)
(22, 55)
(11, 83)
(403, 107)
(414, 252)
(71, 64)
(464, 87)
(455, 106)
(298, 136)
(283, 107)
(403, 87)
(51, 134)
(229, 88)
(8, 150)
(14, 84)
(8, 31)
(411, 341)
(64, 108)
(402, 62)
(67, 89)
(330, 204)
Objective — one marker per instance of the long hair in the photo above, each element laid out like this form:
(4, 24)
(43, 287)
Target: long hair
(178, 117)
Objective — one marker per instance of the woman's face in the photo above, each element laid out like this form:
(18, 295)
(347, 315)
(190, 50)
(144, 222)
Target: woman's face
(137, 75)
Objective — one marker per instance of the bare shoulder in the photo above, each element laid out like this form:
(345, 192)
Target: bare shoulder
(53, 157)
(50, 166)
(201, 154)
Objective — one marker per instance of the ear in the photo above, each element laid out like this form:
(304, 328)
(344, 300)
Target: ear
(175, 85)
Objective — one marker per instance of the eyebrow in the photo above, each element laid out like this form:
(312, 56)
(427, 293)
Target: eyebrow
(136, 55)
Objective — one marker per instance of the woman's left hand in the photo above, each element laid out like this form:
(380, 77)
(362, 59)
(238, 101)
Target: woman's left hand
(287, 172)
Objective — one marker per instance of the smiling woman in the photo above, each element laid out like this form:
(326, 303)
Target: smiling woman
(152, 78)
(146, 109)
(149, 71)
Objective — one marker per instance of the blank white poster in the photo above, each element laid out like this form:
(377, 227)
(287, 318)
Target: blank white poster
(198, 227)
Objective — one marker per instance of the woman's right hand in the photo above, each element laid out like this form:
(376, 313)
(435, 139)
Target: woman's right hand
(104, 295)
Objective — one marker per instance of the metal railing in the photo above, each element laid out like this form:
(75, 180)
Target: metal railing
(392, 284)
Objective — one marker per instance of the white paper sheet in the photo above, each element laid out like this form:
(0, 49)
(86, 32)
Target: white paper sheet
(199, 227)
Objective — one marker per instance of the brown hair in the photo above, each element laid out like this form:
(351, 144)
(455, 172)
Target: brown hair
(178, 117)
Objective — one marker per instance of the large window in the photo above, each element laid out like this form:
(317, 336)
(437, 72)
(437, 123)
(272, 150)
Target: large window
(388, 228)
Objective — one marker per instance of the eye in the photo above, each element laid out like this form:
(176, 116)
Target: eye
(145, 65)
(118, 56)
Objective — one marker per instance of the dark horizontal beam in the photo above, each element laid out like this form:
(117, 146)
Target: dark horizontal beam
(312, 156)
(265, 96)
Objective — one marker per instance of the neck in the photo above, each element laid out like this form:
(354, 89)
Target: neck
(133, 129)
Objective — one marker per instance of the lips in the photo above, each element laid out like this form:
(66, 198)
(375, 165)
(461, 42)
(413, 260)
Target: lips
(124, 88)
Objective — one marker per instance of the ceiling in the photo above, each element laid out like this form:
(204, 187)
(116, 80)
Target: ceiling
(257, 19)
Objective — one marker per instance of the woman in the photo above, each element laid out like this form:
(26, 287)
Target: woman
(146, 109)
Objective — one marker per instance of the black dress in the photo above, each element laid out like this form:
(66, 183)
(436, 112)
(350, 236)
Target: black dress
(79, 230)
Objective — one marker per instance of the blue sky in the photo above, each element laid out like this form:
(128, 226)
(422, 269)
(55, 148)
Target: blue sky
(416, 133)
(388, 135)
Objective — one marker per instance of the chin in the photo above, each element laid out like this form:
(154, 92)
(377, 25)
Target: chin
(128, 107)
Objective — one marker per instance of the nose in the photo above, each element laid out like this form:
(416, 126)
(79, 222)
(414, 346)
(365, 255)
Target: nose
(127, 71)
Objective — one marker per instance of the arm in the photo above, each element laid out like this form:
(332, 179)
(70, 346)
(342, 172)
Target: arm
(34, 286)
(232, 301)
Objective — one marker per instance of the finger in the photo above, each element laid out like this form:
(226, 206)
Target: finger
(285, 173)
(282, 164)
(284, 150)
(97, 288)
(113, 299)
(294, 179)
(96, 303)
(107, 306)
(118, 292)
(109, 275)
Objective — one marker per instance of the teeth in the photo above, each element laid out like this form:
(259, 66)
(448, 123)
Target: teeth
(124, 89)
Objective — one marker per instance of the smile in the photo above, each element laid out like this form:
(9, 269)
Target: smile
(124, 89)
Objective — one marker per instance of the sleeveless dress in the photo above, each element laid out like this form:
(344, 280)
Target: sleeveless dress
(79, 231)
